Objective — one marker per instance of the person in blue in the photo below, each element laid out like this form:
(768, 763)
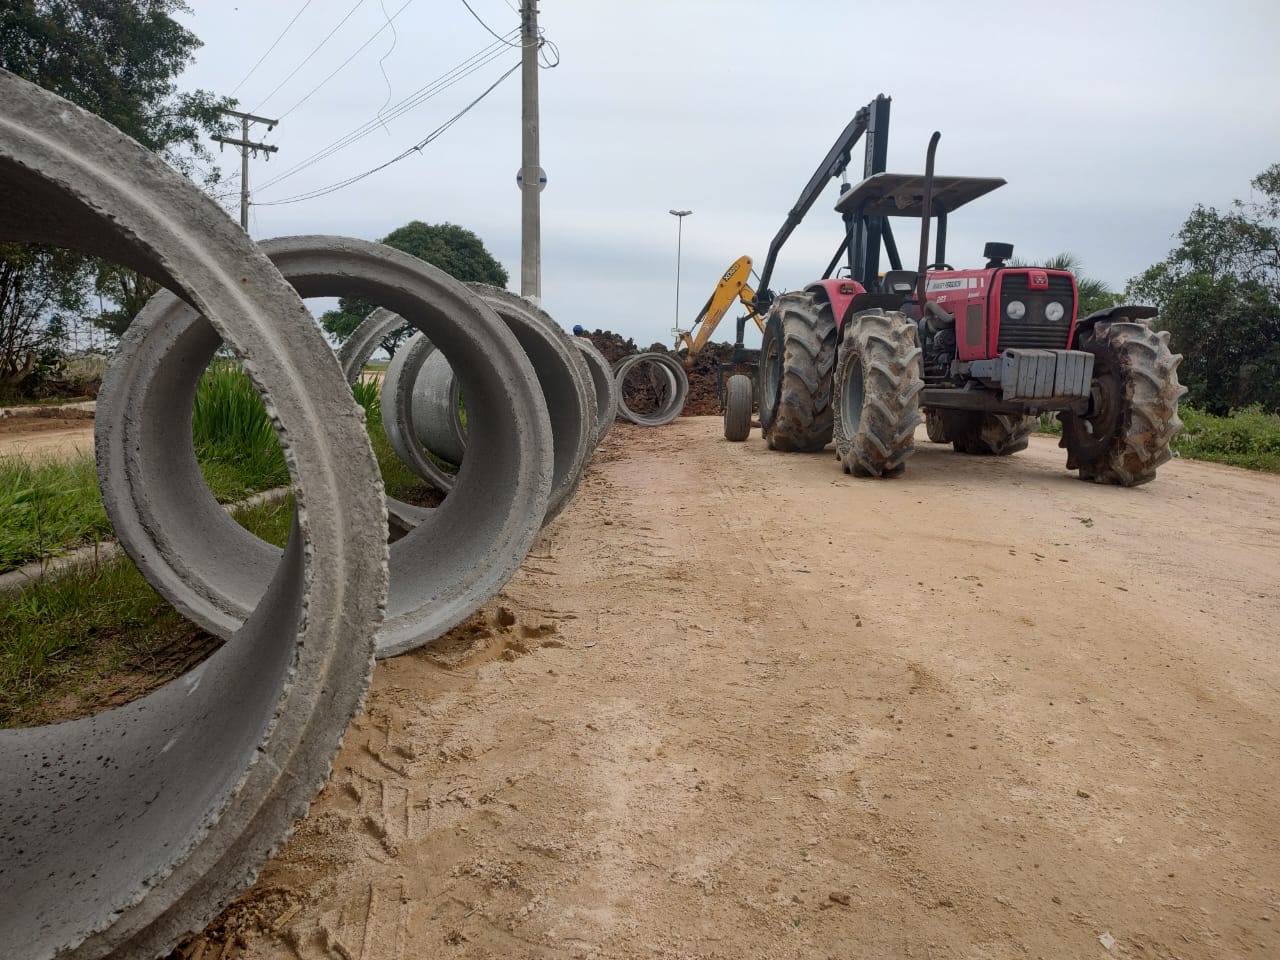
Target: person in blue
(578, 331)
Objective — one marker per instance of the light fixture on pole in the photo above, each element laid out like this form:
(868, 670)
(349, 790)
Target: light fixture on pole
(679, 215)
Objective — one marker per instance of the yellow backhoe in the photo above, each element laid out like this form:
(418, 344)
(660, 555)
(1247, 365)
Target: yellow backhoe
(732, 286)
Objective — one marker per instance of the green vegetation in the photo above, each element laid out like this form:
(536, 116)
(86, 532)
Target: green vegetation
(118, 60)
(234, 439)
(98, 635)
(1219, 296)
(46, 507)
(1246, 438)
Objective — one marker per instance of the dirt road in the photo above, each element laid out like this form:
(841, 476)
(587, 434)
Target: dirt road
(46, 438)
(751, 707)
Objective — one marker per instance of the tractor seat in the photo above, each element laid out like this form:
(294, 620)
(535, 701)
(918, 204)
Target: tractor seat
(899, 281)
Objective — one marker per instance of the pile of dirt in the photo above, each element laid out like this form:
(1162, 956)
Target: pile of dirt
(644, 389)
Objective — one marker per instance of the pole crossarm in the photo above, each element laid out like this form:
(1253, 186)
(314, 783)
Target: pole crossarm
(264, 147)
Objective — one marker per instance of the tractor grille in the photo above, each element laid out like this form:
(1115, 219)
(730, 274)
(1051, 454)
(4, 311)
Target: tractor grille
(1034, 331)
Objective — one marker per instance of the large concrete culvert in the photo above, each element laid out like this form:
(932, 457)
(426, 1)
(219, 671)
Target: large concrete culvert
(446, 566)
(669, 406)
(420, 395)
(606, 388)
(122, 832)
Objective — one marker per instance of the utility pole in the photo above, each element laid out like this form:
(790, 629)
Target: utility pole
(245, 145)
(532, 178)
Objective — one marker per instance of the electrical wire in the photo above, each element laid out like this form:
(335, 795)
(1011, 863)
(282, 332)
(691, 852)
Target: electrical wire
(340, 66)
(308, 57)
(333, 188)
(487, 27)
(413, 100)
(272, 47)
(395, 40)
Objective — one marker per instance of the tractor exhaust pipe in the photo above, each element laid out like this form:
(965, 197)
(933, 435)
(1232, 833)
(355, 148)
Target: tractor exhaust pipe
(926, 213)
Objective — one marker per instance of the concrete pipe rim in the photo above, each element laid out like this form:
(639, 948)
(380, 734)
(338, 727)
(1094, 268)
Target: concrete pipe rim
(606, 388)
(565, 381)
(675, 403)
(155, 825)
(457, 556)
(352, 356)
(402, 376)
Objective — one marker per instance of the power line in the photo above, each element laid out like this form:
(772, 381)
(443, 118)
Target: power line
(486, 26)
(272, 47)
(342, 65)
(308, 57)
(333, 188)
(413, 100)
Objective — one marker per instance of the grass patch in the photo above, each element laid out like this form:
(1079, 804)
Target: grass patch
(235, 442)
(1247, 438)
(47, 506)
(97, 635)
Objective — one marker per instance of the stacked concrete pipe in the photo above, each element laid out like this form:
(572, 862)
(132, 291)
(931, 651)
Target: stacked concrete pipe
(420, 396)
(122, 832)
(606, 388)
(677, 380)
(451, 560)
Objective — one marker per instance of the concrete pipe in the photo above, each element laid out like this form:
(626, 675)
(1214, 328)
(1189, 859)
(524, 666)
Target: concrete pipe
(420, 397)
(419, 391)
(565, 380)
(677, 379)
(353, 355)
(606, 388)
(122, 832)
(456, 557)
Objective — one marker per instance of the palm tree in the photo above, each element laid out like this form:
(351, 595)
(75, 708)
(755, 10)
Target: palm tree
(1093, 294)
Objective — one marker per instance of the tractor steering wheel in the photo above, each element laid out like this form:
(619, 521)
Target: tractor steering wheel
(939, 266)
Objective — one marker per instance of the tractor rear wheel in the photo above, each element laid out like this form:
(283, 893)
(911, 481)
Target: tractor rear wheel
(737, 408)
(877, 385)
(991, 434)
(1133, 410)
(796, 363)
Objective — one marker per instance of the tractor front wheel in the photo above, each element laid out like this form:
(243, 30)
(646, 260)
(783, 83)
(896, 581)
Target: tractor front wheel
(737, 408)
(796, 362)
(1133, 409)
(878, 384)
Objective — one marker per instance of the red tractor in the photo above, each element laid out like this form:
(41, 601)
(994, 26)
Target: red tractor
(980, 352)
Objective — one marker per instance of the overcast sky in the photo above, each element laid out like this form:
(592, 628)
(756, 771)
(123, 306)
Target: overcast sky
(1110, 120)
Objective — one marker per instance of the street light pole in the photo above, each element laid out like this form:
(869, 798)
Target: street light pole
(679, 215)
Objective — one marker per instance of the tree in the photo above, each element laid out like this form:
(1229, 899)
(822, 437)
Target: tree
(455, 250)
(1092, 294)
(118, 59)
(38, 286)
(1219, 296)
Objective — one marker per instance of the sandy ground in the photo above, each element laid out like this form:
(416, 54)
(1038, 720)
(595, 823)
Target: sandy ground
(46, 438)
(737, 705)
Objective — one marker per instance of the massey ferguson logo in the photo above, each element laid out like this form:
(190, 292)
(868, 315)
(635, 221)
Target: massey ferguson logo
(957, 284)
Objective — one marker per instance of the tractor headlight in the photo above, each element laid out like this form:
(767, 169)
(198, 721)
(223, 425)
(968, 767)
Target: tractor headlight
(1016, 309)
(1054, 311)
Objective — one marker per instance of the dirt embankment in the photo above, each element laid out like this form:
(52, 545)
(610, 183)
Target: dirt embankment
(736, 704)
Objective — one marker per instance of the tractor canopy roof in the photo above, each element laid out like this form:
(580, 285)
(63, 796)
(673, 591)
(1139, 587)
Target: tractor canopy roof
(902, 194)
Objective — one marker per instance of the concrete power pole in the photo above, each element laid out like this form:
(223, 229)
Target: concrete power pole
(532, 177)
(245, 145)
